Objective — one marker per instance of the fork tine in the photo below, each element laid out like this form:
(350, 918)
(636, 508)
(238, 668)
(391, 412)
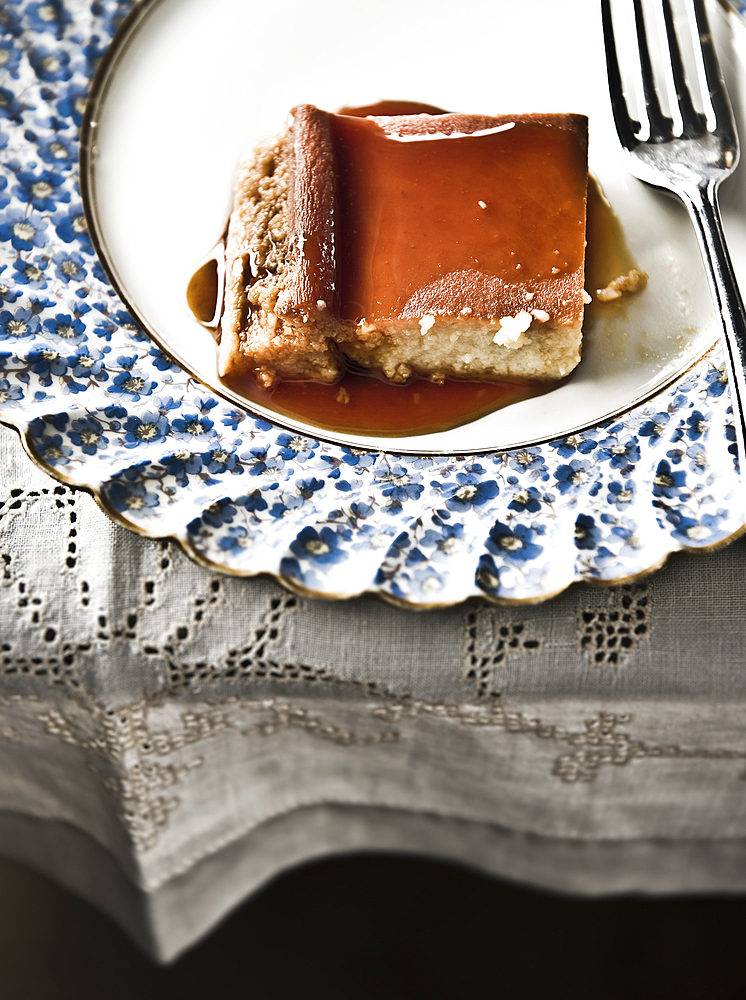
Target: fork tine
(626, 126)
(661, 127)
(718, 94)
(695, 124)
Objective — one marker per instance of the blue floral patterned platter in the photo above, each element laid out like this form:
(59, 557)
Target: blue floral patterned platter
(102, 406)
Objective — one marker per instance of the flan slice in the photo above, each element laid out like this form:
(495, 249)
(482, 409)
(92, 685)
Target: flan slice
(438, 245)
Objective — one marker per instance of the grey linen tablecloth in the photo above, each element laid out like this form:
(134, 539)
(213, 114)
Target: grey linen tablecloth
(171, 738)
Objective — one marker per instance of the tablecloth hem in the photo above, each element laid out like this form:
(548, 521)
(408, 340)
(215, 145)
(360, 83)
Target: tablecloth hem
(167, 921)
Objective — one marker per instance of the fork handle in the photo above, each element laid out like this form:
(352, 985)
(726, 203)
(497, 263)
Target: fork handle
(702, 203)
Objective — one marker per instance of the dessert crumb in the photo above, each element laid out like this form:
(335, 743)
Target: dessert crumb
(426, 323)
(626, 284)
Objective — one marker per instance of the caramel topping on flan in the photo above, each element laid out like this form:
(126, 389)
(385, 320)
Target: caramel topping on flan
(400, 216)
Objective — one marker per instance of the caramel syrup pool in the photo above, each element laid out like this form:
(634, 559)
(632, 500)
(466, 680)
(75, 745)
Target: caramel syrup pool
(366, 404)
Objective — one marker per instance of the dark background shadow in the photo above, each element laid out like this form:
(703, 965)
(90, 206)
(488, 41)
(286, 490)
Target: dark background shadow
(373, 927)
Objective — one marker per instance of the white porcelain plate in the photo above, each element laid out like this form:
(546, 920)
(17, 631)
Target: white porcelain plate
(198, 80)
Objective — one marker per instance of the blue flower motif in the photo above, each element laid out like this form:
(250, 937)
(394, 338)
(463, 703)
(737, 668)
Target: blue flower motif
(445, 542)
(587, 532)
(487, 577)
(45, 363)
(278, 510)
(42, 191)
(70, 266)
(516, 543)
(93, 52)
(133, 383)
(49, 15)
(581, 443)
(150, 426)
(654, 427)
(233, 418)
(255, 460)
(10, 395)
(52, 450)
(621, 494)
(528, 499)
(399, 484)
(8, 292)
(621, 455)
(295, 447)
(698, 425)
(717, 380)
(219, 513)
(162, 362)
(73, 102)
(10, 57)
(132, 498)
(23, 231)
(252, 502)
(698, 456)
(219, 460)
(10, 106)
(525, 459)
(668, 483)
(50, 64)
(10, 22)
(68, 328)
(237, 537)
(32, 272)
(89, 363)
(71, 227)
(321, 547)
(573, 476)
(182, 465)
(304, 490)
(705, 531)
(468, 491)
(88, 434)
(57, 150)
(191, 426)
(426, 581)
(361, 459)
(21, 323)
(165, 403)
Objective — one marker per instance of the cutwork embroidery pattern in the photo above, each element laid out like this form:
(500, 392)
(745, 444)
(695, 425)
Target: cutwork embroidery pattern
(488, 643)
(607, 635)
(249, 661)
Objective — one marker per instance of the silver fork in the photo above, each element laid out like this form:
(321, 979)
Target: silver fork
(691, 165)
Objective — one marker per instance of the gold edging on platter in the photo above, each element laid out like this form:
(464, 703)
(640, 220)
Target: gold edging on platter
(295, 588)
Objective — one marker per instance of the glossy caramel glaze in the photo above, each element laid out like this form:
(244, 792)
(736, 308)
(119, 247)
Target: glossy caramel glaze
(397, 216)
(364, 404)
(438, 214)
(203, 291)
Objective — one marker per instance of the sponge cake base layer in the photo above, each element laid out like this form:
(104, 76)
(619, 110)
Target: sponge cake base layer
(458, 348)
